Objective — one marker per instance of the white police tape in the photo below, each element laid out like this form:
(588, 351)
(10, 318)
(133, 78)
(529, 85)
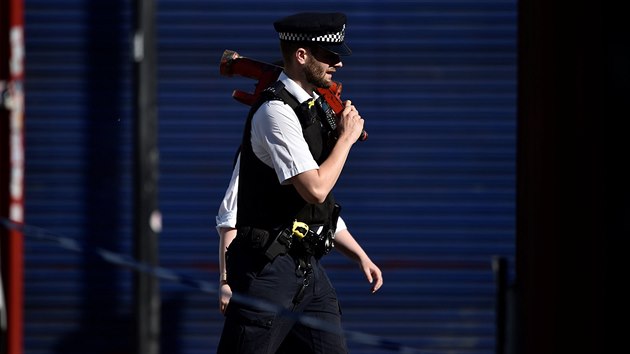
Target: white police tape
(41, 234)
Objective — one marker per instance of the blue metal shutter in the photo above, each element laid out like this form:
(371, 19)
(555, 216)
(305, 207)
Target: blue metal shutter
(78, 174)
(430, 195)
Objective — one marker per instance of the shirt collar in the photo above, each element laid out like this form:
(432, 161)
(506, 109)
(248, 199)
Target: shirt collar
(296, 90)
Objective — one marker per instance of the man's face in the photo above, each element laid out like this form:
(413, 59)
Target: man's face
(320, 66)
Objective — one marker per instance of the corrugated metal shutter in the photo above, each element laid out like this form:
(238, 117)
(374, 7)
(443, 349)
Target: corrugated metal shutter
(430, 195)
(78, 174)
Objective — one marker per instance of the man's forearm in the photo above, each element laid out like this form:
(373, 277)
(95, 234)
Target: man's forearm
(226, 236)
(315, 185)
(348, 246)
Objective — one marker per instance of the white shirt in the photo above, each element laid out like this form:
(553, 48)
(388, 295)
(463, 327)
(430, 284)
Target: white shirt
(277, 140)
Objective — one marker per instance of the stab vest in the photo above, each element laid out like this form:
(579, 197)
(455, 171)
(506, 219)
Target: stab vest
(262, 201)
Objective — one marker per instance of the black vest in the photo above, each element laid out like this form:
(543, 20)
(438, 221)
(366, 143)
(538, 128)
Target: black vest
(262, 201)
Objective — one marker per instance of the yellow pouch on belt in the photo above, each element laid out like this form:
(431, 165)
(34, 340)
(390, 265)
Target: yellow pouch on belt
(299, 229)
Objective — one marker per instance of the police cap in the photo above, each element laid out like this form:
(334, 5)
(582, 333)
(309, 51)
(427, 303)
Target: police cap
(324, 29)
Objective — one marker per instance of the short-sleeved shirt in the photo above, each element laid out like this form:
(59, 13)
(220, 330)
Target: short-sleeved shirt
(277, 140)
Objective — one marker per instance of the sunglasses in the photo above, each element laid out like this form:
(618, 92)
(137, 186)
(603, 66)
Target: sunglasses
(325, 56)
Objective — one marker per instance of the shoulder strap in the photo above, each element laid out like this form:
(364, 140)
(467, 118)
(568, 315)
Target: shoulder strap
(279, 92)
(276, 91)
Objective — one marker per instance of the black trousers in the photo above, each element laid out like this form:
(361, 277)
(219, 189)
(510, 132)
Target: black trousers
(248, 329)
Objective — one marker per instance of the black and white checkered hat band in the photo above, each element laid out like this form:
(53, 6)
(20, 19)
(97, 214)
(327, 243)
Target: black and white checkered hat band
(335, 37)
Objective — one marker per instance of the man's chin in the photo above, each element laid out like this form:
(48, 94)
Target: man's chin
(325, 83)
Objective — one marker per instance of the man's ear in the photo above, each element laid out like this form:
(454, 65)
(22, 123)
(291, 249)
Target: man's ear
(301, 54)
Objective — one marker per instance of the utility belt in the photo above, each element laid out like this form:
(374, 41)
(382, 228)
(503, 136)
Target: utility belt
(299, 239)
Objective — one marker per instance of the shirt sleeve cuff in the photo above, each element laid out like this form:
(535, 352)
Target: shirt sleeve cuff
(227, 220)
(341, 225)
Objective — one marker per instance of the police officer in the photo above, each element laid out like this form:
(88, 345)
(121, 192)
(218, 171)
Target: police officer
(287, 216)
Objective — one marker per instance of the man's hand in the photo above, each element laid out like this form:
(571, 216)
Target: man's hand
(372, 273)
(350, 123)
(225, 293)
